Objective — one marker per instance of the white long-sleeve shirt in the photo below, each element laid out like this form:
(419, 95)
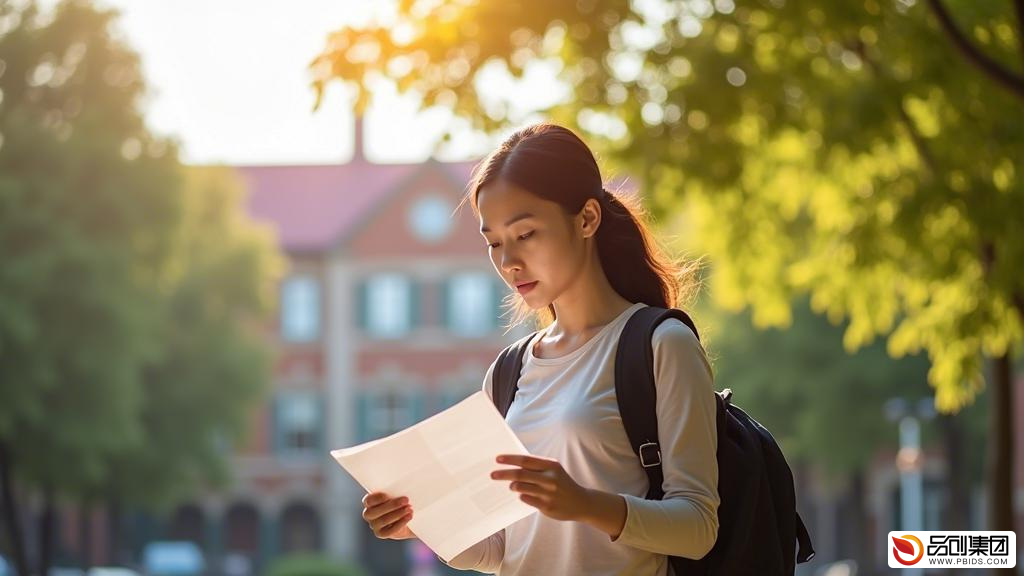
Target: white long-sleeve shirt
(566, 409)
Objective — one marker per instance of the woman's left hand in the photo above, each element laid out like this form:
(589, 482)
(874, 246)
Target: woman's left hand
(545, 485)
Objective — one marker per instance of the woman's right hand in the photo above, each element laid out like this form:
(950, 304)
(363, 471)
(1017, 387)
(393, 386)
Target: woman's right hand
(388, 517)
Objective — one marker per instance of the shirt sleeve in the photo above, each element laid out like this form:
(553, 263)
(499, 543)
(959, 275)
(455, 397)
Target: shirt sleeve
(685, 522)
(486, 386)
(487, 554)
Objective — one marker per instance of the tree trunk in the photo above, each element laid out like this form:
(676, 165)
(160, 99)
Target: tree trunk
(1000, 446)
(85, 536)
(12, 517)
(858, 533)
(46, 533)
(114, 551)
(956, 482)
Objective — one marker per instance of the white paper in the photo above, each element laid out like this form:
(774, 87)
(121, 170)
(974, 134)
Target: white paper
(443, 465)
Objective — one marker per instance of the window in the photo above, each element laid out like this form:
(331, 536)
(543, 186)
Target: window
(387, 305)
(386, 412)
(451, 396)
(431, 218)
(471, 303)
(298, 422)
(300, 309)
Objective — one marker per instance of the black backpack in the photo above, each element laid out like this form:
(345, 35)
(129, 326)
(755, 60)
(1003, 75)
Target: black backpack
(758, 522)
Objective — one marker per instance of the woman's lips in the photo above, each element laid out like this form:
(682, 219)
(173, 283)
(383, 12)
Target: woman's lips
(524, 288)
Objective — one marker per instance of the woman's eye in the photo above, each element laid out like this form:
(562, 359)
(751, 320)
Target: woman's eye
(520, 237)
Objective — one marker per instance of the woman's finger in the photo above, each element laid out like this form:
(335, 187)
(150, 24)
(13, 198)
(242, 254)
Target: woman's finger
(531, 489)
(521, 475)
(382, 522)
(374, 498)
(393, 528)
(375, 512)
(528, 461)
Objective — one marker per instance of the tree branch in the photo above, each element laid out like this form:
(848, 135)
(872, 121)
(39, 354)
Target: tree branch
(12, 513)
(920, 145)
(990, 67)
(988, 261)
(1018, 303)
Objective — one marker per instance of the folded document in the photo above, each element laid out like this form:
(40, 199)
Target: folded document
(443, 465)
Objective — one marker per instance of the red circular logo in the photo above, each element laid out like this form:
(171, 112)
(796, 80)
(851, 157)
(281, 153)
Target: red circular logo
(902, 545)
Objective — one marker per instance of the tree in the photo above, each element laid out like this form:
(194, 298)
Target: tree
(822, 405)
(866, 155)
(214, 364)
(826, 407)
(86, 194)
(108, 283)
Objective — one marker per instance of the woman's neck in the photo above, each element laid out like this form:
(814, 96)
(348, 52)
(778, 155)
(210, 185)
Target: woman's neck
(588, 304)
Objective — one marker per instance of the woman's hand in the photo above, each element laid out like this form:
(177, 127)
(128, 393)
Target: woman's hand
(388, 517)
(545, 485)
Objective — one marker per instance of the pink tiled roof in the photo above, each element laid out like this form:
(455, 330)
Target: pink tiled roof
(314, 207)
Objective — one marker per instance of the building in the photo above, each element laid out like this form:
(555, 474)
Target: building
(389, 313)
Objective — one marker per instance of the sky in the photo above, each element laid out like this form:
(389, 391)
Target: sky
(229, 80)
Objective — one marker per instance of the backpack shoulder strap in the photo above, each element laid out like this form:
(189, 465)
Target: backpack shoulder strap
(505, 378)
(635, 390)
(806, 551)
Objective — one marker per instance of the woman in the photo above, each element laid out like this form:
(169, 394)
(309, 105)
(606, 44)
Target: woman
(582, 261)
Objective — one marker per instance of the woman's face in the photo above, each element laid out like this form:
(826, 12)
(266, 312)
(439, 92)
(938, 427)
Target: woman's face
(534, 245)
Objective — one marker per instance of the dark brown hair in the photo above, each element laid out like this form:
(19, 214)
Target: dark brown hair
(552, 162)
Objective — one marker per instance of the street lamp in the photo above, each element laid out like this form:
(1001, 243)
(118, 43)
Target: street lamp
(909, 459)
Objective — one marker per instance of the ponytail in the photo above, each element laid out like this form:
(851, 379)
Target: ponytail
(635, 265)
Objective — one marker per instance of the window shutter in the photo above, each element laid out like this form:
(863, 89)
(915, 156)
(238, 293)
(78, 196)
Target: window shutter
(434, 402)
(415, 304)
(320, 442)
(417, 404)
(317, 305)
(362, 304)
(445, 320)
(282, 309)
(277, 425)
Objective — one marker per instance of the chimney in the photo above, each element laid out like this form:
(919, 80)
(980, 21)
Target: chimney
(357, 146)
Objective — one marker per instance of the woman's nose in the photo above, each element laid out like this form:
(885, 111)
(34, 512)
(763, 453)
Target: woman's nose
(510, 262)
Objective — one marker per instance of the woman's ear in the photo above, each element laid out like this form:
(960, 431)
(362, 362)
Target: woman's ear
(590, 217)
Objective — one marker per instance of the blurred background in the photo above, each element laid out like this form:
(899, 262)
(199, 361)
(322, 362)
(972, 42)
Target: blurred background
(229, 244)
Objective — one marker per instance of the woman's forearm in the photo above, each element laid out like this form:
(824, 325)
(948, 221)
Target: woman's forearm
(606, 512)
